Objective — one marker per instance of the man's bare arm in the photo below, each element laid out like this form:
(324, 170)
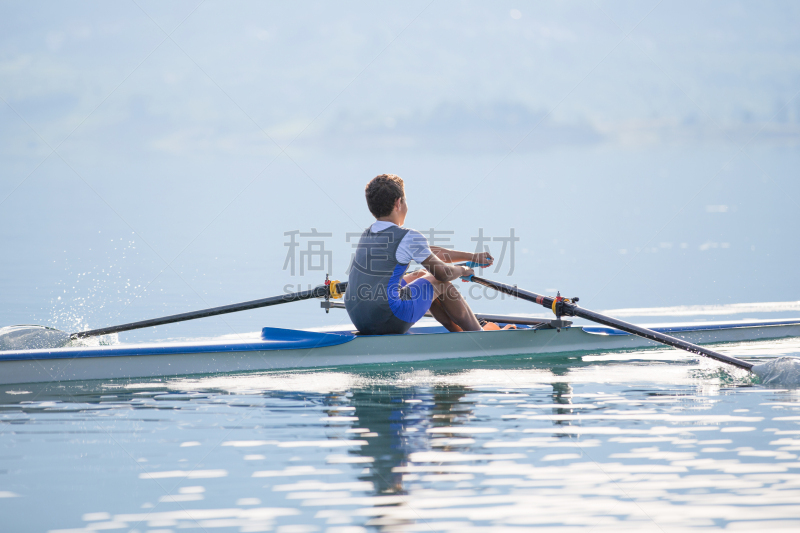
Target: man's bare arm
(444, 272)
(454, 256)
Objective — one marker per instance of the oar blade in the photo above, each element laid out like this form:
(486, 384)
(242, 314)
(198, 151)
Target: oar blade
(31, 338)
(780, 372)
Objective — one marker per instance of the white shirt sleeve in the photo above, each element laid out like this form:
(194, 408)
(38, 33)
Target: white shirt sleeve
(414, 246)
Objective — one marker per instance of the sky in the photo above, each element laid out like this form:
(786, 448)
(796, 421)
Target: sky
(197, 76)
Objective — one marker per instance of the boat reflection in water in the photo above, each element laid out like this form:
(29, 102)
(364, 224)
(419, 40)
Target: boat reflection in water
(398, 422)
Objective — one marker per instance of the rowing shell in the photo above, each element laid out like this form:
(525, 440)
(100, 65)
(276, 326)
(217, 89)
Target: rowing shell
(288, 348)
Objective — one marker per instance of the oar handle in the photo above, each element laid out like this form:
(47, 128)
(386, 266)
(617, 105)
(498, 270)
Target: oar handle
(317, 292)
(472, 264)
(569, 308)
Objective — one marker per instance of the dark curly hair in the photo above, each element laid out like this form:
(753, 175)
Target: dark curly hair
(382, 192)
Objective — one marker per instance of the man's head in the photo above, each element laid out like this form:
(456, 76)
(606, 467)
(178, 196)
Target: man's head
(384, 194)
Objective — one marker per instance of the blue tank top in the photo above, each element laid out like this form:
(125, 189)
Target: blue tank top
(374, 282)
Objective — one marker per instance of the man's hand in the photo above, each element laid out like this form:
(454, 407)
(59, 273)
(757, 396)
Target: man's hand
(483, 259)
(466, 272)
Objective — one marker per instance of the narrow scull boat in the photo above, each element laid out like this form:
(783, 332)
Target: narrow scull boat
(292, 349)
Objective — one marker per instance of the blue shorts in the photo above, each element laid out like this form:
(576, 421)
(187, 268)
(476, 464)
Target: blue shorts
(415, 300)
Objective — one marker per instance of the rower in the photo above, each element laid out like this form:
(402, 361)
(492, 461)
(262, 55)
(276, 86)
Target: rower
(381, 298)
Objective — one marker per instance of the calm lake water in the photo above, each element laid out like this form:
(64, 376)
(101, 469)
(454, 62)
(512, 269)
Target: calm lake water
(645, 440)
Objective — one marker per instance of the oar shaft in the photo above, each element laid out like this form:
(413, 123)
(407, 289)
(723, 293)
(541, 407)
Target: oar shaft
(660, 337)
(317, 292)
(571, 309)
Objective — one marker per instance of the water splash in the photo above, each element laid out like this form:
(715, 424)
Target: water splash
(31, 338)
(45, 338)
(98, 293)
(102, 340)
(783, 372)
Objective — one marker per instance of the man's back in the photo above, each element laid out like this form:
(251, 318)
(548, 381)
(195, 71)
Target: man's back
(374, 280)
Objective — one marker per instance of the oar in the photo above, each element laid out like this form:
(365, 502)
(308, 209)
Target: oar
(320, 291)
(20, 337)
(566, 307)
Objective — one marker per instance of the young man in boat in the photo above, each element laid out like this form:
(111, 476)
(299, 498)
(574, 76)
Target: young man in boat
(381, 298)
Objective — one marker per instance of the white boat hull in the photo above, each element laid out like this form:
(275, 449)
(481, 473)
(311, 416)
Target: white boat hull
(180, 359)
